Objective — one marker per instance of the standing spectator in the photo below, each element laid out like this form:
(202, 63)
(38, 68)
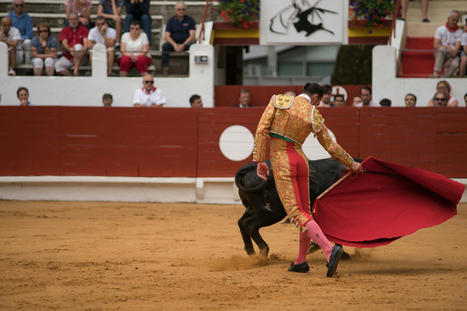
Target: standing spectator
(106, 36)
(385, 102)
(196, 101)
(446, 44)
(439, 99)
(326, 99)
(138, 10)
(44, 50)
(23, 96)
(11, 36)
(365, 95)
(410, 100)
(148, 95)
(404, 7)
(111, 10)
(243, 99)
(179, 34)
(357, 101)
(135, 51)
(23, 22)
(445, 87)
(339, 100)
(463, 67)
(107, 100)
(73, 39)
(82, 9)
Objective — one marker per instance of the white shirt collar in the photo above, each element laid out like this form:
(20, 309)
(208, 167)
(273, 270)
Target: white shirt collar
(306, 96)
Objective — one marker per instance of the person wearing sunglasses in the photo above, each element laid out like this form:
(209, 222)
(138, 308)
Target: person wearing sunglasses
(138, 10)
(135, 51)
(179, 34)
(440, 99)
(148, 95)
(44, 50)
(23, 22)
(104, 35)
(443, 86)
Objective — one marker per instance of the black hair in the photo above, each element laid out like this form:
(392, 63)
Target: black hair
(327, 89)
(339, 95)
(410, 94)
(21, 88)
(194, 97)
(313, 88)
(106, 96)
(385, 102)
(366, 87)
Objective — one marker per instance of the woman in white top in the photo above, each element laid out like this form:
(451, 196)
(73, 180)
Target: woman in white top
(445, 87)
(135, 51)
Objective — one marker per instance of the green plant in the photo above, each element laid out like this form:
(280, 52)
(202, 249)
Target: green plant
(371, 13)
(241, 13)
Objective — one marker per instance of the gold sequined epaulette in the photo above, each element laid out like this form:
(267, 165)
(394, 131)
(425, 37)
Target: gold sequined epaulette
(317, 120)
(283, 101)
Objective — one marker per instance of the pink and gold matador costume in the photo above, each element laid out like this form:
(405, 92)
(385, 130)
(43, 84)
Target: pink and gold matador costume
(288, 121)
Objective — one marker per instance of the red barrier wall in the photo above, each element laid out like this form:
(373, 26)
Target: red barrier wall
(183, 142)
(227, 95)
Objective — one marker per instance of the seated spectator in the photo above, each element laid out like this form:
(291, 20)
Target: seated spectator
(23, 22)
(357, 101)
(290, 93)
(366, 97)
(463, 67)
(405, 6)
(107, 100)
(11, 36)
(385, 102)
(111, 10)
(44, 50)
(135, 51)
(195, 101)
(410, 100)
(82, 9)
(138, 10)
(440, 99)
(445, 87)
(23, 96)
(465, 99)
(446, 44)
(339, 100)
(106, 36)
(179, 35)
(243, 98)
(148, 95)
(326, 99)
(73, 39)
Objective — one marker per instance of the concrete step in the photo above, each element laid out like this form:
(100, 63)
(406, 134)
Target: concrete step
(440, 4)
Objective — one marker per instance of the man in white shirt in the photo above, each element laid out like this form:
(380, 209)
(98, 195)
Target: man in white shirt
(12, 37)
(446, 44)
(105, 35)
(148, 95)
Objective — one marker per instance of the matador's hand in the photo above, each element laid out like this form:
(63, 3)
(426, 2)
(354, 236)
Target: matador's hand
(262, 170)
(356, 168)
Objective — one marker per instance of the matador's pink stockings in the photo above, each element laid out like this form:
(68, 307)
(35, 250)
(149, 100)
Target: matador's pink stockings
(314, 233)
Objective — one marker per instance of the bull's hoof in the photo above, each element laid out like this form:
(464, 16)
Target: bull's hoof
(313, 248)
(301, 267)
(336, 254)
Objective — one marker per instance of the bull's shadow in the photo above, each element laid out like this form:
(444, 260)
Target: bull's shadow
(262, 203)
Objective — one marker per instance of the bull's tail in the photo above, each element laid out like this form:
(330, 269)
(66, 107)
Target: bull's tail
(247, 180)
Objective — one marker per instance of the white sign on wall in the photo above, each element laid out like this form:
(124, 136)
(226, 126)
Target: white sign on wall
(303, 22)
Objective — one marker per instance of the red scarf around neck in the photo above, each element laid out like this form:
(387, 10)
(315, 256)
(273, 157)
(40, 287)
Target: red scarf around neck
(452, 29)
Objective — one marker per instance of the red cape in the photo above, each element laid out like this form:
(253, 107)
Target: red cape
(385, 203)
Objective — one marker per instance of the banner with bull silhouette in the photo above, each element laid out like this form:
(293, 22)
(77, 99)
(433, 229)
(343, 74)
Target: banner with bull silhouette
(303, 22)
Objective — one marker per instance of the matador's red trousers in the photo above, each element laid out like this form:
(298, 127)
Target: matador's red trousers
(290, 167)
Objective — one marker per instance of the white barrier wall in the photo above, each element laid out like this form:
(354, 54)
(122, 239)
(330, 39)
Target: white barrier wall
(88, 91)
(386, 84)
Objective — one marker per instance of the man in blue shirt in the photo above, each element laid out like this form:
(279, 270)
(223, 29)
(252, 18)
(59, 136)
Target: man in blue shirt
(23, 22)
(179, 34)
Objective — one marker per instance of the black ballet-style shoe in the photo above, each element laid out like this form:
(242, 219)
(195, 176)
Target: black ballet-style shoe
(301, 267)
(336, 254)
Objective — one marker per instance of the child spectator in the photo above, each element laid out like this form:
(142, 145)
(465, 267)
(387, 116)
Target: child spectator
(107, 100)
(357, 101)
(410, 100)
(339, 100)
(23, 96)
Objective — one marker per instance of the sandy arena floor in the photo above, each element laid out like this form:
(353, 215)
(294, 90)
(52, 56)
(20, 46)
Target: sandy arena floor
(131, 256)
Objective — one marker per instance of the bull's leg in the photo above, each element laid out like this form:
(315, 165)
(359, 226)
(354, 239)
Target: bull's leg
(258, 221)
(243, 225)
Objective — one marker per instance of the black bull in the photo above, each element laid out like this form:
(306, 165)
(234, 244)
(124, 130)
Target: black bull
(263, 206)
